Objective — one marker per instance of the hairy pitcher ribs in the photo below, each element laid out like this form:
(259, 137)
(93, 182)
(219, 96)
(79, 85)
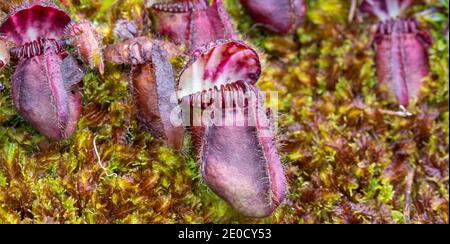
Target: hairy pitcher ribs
(46, 78)
(231, 131)
(401, 49)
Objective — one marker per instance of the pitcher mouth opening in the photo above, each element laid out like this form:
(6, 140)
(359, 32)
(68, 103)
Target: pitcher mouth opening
(220, 63)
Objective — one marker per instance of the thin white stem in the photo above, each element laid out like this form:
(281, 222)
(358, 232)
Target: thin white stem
(100, 161)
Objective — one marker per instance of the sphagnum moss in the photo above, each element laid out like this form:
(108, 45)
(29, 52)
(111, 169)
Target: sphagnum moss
(348, 159)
